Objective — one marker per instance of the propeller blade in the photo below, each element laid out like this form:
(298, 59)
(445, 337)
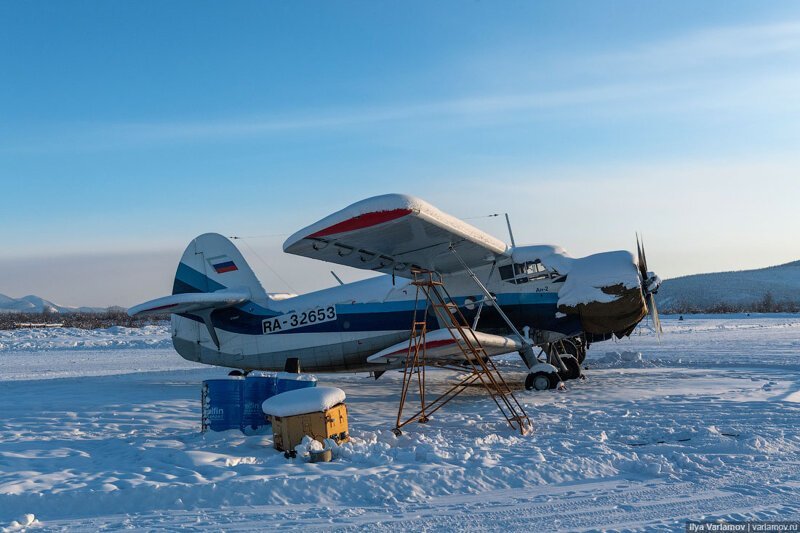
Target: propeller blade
(649, 297)
(644, 258)
(654, 314)
(640, 259)
(638, 248)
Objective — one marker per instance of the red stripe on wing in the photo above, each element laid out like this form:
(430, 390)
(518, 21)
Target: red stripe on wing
(428, 346)
(362, 221)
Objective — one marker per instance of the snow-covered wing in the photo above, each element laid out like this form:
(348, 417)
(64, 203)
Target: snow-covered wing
(440, 346)
(392, 233)
(189, 302)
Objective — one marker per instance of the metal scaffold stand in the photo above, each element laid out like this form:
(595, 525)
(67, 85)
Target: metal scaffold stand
(482, 371)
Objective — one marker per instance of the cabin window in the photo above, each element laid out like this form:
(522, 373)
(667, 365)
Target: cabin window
(523, 272)
(506, 272)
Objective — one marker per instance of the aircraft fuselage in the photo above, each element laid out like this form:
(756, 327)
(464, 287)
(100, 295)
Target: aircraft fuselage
(336, 329)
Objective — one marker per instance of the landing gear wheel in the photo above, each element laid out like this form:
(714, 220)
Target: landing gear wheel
(541, 381)
(573, 368)
(581, 354)
(575, 346)
(236, 373)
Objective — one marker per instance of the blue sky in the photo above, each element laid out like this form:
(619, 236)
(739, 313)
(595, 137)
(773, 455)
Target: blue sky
(127, 128)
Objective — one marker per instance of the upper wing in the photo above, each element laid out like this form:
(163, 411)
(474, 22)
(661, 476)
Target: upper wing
(392, 233)
(440, 346)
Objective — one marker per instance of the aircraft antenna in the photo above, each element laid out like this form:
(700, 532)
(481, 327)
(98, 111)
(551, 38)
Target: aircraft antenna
(337, 278)
(265, 263)
(510, 233)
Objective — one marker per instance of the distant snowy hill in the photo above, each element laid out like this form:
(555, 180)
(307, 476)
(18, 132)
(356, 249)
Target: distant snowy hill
(774, 288)
(36, 304)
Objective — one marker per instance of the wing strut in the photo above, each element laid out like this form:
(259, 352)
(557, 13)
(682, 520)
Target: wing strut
(527, 347)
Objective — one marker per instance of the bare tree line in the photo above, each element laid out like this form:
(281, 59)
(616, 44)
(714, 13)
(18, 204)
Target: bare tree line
(81, 320)
(767, 304)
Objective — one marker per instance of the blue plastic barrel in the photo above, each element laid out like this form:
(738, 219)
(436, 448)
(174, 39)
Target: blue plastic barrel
(287, 381)
(222, 404)
(257, 388)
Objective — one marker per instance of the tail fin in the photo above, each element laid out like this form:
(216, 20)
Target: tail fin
(212, 275)
(210, 263)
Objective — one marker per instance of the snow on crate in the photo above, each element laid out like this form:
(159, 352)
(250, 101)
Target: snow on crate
(302, 401)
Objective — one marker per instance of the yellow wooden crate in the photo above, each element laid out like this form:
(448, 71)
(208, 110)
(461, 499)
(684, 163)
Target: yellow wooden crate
(288, 431)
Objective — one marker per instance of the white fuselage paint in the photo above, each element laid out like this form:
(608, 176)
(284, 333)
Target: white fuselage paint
(347, 348)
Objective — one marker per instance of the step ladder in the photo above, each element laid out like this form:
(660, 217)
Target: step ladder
(482, 371)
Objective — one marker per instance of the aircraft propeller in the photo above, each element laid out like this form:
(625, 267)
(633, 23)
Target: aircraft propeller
(650, 284)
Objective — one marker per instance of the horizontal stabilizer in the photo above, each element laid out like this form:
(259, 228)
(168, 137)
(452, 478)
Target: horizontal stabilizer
(442, 348)
(191, 302)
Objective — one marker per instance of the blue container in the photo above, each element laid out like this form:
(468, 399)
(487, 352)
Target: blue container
(287, 382)
(256, 390)
(222, 401)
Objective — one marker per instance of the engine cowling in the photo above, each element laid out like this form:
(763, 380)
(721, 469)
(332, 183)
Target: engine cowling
(619, 316)
(606, 291)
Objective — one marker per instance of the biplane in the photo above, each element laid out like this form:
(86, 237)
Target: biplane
(515, 298)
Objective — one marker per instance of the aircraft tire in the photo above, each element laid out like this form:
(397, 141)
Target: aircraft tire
(573, 367)
(541, 381)
(576, 347)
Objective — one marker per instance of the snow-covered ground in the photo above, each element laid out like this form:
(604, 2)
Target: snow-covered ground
(100, 429)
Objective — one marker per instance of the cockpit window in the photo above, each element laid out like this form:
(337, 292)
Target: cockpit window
(523, 272)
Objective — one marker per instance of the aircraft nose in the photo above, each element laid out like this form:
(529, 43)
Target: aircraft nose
(619, 316)
(610, 292)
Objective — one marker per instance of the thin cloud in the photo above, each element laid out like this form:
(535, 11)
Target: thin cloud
(122, 135)
(710, 46)
(711, 88)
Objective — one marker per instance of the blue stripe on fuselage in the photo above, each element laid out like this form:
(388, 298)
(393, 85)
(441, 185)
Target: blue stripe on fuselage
(367, 317)
(536, 309)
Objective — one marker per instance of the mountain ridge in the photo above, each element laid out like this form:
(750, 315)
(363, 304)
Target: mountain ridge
(772, 288)
(32, 303)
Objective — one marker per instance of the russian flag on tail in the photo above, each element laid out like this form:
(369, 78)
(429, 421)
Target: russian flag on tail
(222, 264)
